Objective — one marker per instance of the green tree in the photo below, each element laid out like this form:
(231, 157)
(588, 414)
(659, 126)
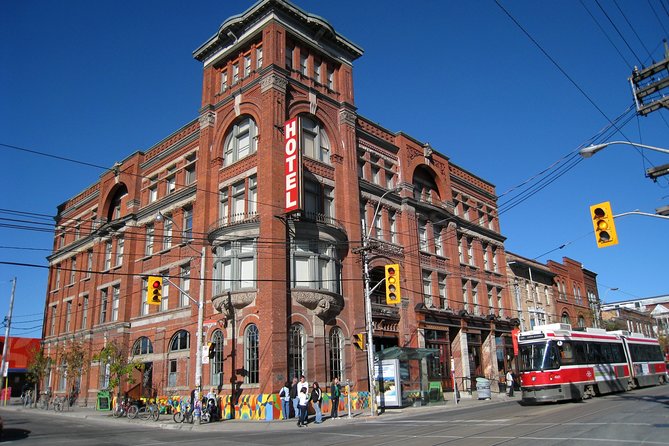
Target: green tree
(75, 365)
(114, 356)
(38, 367)
(614, 324)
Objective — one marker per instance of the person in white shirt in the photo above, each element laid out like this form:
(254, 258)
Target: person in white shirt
(284, 395)
(303, 400)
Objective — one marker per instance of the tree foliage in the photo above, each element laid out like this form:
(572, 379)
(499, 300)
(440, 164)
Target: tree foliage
(114, 356)
(38, 365)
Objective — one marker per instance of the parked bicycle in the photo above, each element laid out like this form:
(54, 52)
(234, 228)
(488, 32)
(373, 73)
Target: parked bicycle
(149, 411)
(184, 414)
(27, 398)
(125, 408)
(44, 400)
(59, 403)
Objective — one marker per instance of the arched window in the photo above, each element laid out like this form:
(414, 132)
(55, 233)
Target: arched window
(142, 346)
(297, 354)
(581, 321)
(114, 211)
(315, 143)
(425, 188)
(241, 141)
(217, 341)
(251, 354)
(336, 354)
(180, 341)
(565, 318)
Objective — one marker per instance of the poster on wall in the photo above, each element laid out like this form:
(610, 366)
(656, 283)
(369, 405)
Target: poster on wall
(387, 383)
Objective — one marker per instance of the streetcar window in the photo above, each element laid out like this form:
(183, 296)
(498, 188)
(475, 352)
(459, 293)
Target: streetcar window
(641, 353)
(567, 355)
(531, 356)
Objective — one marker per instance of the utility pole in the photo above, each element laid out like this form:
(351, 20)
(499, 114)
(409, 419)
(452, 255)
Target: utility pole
(5, 348)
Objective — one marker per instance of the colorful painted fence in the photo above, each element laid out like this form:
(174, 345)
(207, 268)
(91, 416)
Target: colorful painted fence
(255, 407)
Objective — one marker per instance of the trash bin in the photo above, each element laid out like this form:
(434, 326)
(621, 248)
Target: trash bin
(483, 388)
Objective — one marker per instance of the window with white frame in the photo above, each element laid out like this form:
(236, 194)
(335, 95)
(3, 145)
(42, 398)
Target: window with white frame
(188, 224)
(142, 346)
(465, 294)
(218, 340)
(290, 49)
(390, 179)
(491, 300)
(258, 57)
(185, 286)
(116, 299)
(84, 312)
(68, 316)
(331, 78)
(103, 306)
(241, 141)
(235, 74)
(144, 306)
(427, 288)
(475, 298)
(57, 279)
(461, 254)
(495, 266)
(465, 211)
(438, 246)
(315, 265)
(500, 306)
(120, 244)
(297, 351)
(317, 71)
(235, 266)
(238, 201)
(378, 227)
(392, 220)
(149, 240)
(247, 65)
(89, 263)
(470, 252)
(190, 169)
(422, 235)
(252, 199)
(486, 261)
(251, 354)
(315, 142)
(303, 63)
(167, 232)
(443, 291)
(108, 254)
(52, 329)
(224, 80)
(337, 368)
(73, 270)
(171, 180)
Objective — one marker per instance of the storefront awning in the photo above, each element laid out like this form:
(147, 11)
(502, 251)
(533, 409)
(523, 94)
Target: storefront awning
(405, 353)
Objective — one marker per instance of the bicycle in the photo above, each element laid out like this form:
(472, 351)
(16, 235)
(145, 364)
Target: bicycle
(151, 411)
(58, 403)
(125, 409)
(44, 400)
(184, 414)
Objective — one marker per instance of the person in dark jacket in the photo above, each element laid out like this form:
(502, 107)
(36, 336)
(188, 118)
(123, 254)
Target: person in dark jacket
(316, 399)
(335, 393)
(293, 397)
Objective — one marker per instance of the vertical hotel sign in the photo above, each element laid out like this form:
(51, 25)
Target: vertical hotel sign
(293, 165)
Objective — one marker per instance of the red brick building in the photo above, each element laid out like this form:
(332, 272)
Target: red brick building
(284, 294)
(577, 299)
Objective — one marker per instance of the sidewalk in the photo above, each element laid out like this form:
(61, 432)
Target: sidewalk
(166, 421)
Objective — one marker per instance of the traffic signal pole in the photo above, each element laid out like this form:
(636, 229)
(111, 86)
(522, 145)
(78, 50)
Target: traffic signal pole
(370, 330)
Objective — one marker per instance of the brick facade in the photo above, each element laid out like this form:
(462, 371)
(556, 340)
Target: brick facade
(283, 294)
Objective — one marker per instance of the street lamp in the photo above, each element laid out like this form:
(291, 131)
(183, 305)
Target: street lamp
(587, 152)
(200, 315)
(368, 306)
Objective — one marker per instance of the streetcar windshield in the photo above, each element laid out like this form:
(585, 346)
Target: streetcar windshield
(538, 356)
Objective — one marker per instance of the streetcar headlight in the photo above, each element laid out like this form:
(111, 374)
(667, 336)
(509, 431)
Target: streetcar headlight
(534, 378)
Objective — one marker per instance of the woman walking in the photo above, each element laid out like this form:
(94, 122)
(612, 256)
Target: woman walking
(316, 399)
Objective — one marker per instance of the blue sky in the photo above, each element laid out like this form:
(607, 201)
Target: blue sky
(96, 81)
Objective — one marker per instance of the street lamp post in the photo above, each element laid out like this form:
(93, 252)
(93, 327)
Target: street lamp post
(200, 317)
(368, 306)
(587, 152)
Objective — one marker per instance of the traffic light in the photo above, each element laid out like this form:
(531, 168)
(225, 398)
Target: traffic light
(602, 221)
(359, 340)
(393, 284)
(155, 290)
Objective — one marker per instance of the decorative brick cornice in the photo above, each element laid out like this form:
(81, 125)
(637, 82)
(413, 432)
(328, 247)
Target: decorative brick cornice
(347, 117)
(207, 119)
(274, 81)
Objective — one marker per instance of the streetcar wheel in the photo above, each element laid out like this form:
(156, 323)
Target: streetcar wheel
(132, 412)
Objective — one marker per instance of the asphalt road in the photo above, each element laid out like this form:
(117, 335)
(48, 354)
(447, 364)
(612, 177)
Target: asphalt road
(631, 418)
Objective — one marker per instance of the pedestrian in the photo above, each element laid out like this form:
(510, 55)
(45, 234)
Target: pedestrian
(335, 393)
(509, 382)
(284, 395)
(316, 399)
(303, 400)
(293, 397)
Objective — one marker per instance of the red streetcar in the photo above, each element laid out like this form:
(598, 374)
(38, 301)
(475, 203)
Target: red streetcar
(557, 363)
